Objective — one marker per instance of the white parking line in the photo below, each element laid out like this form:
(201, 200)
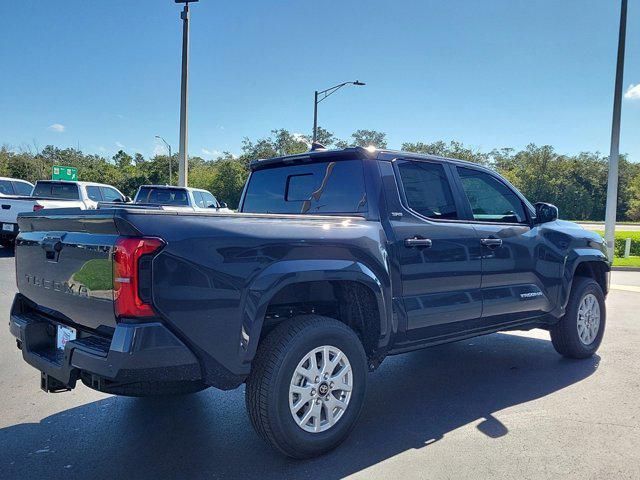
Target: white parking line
(628, 288)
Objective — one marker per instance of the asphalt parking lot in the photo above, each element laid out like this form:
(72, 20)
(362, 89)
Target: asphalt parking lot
(501, 406)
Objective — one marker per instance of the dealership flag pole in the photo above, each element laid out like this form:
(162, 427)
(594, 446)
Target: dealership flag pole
(612, 183)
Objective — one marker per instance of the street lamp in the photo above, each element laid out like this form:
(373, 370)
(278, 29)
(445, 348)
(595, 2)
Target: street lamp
(170, 156)
(183, 155)
(612, 180)
(321, 95)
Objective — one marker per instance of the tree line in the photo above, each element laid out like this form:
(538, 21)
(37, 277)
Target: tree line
(574, 183)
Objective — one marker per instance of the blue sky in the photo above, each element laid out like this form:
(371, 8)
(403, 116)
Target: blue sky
(105, 74)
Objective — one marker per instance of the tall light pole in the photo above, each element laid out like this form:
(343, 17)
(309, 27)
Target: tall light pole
(320, 96)
(170, 158)
(183, 156)
(612, 181)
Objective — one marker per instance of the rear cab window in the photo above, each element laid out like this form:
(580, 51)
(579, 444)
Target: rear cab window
(56, 190)
(332, 187)
(163, 196)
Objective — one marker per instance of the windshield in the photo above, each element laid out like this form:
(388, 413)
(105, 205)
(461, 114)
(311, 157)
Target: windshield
(163, 196)
(56, 190)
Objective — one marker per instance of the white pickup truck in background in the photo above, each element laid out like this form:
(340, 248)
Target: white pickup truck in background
(179, 198)
(52, 194)
(14, 186)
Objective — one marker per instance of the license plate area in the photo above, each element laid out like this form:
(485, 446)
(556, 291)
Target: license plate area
(64, 335)
(7, 227)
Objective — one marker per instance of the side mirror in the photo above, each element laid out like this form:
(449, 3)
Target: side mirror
(223, 205)
(546, 212)
(127, 199)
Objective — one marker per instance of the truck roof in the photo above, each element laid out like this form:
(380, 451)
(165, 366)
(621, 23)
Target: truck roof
(16, 180)
(76, 183)
(385, 155)
(174, 187)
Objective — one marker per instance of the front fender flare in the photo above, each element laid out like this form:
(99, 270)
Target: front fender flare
(574, 259)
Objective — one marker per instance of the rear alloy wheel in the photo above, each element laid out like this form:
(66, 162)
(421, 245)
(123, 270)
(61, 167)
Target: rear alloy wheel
(307, 385)
(320, 389)
(579, 332)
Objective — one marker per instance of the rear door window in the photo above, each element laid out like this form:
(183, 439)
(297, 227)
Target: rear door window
(427, 190)
(316, 188)
(22, 188)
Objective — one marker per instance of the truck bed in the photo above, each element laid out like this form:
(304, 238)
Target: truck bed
(202, 278)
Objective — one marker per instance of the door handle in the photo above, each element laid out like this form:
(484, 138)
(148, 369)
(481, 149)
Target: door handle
(417, 242)
(491, 242)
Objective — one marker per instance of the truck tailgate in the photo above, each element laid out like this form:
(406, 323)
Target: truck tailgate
(64, 264)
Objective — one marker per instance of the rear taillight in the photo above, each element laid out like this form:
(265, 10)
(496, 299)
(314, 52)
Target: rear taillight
(37, 208)
(132, 275)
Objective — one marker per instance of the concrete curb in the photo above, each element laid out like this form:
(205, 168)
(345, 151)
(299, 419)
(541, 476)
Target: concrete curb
(625, 269)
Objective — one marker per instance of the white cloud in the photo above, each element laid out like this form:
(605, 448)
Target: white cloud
(213, 153)
(300, 137)
(633, 92)
(160, 150)
(120, 146)
(57, 127)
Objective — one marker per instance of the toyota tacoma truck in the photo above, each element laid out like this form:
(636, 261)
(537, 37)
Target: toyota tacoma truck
(334, 261)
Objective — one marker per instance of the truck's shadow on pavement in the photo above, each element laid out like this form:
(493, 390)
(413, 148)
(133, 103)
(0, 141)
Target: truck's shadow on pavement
(412, 401)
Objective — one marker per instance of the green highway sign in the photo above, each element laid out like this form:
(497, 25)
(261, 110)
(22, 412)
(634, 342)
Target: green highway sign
(64, 173)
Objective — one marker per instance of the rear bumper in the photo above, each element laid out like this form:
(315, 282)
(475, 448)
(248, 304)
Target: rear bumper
(146, 352)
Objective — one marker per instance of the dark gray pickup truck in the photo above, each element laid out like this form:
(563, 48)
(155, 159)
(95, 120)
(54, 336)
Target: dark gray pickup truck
(335, 260)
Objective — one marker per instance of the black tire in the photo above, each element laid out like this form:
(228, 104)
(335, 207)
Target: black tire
(564, 334)
(267, 389)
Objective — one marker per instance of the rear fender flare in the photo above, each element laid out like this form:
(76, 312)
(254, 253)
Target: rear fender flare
(274, 278)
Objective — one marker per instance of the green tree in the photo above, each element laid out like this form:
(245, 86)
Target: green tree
(369, 138)
(453, 150)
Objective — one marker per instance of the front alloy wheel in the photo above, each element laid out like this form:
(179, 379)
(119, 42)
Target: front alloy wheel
(579, 332)
(588, 321)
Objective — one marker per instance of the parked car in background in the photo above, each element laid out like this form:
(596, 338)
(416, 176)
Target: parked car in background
(335, 260)
(179, 198)
(14, 186)
(51, 194)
